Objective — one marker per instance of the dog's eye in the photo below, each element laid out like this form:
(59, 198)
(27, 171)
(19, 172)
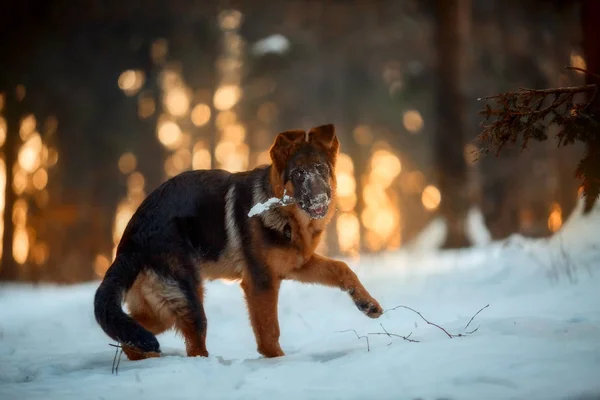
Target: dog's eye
(322, 169)
(298, 174)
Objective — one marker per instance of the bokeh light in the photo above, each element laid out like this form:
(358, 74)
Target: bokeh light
(177, 101)
(169, 134)
(555, 220)
(431, 197)
(226, 97)
(127, 163)
(131, 81)
(200, 114)
(413, 121)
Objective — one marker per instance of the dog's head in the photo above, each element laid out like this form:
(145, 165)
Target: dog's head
(304, 165)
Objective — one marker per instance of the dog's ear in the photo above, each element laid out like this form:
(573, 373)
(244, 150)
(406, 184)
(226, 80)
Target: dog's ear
(285, 144)
(324, 137)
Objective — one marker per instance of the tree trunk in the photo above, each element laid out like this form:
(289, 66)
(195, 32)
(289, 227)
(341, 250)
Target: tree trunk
(450, 165)
(9, 270)
(590, 11)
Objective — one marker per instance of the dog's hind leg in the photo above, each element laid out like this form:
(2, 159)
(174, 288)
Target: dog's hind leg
(146, 306)
(191, 319)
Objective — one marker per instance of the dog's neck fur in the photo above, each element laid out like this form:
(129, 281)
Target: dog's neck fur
(261, 192)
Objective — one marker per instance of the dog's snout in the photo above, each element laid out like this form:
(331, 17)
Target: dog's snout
(319, 187)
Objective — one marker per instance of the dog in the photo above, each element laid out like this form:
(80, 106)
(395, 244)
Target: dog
(195, 227)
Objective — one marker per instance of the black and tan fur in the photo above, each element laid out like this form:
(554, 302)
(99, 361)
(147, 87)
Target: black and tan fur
(195, 227)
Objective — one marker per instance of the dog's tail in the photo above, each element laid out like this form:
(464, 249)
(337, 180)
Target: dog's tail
(108, 305)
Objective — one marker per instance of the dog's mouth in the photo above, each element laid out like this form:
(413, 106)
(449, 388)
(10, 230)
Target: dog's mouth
(316, 207)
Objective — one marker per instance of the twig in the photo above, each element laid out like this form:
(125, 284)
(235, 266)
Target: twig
(385, 332)
(424, 319)
(585, 71)
(358, 337)
(555, 91)
(450, 335)
(473, 317)
(117, 360)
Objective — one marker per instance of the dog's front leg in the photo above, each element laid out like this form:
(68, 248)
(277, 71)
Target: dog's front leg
(262, 307)
(335, 273)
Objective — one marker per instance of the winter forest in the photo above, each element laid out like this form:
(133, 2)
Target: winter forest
(467, 178)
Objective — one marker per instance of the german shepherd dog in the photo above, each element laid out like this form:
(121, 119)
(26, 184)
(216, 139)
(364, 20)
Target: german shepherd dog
(195, 226)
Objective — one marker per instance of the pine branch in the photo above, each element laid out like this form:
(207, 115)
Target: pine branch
(527, 113)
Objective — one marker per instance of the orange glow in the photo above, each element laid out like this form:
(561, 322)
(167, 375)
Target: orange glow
(40, 253)
(20, 244)
(347, 203)
(177, 102)
(223, 150)
(52, 157)
(232, 157)
(414, 181)
(201, 159)
(125, 210)
(2, 193)
(234, 133)
(431, 197)
(41, 198)
(363, 135)
(40, 179)
(29, 153)
(127, 163)
(182, 159)
(19, 216)
(578, 61)
(200, 114)
(385, 221)
(346, 186)
(2, 130)
(348, 230)
(225, 118)
(28, 125)
(263, 158)
(19, 180)
(374, 194)
(131, 81)
(381, 216)
(146, 106)
(230, 20)
(170, 78)
(226, 97)
(169, 134)
(344, 163)
(385, 167)
(135, 182)
(373, 241)
(413, 121)
(101, 264)
(555, 218)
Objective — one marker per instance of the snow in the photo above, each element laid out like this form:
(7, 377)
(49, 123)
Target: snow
(273, 202)
(539, 339)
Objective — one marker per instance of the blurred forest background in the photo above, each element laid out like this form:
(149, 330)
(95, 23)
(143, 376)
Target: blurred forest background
(101, 101)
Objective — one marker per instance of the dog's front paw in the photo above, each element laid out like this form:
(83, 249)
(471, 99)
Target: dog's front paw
(370, 307)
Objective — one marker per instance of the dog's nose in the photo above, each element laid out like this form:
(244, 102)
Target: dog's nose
(320, 187)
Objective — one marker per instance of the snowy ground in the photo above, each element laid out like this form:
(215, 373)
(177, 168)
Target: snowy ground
(539, 339)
